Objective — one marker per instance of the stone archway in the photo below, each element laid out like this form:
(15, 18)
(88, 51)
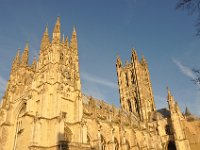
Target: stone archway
(19, 127)
(171, 145)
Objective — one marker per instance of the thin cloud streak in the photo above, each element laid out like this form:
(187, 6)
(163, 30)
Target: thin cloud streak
(184, 69)
(97, 80)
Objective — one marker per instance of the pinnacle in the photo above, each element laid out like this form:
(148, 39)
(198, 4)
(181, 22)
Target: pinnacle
(67, 41)
(74, 29)
(46, 30)
(27, 46)
(56, 31)
(57, 26)
(63, 39)
(25, 54)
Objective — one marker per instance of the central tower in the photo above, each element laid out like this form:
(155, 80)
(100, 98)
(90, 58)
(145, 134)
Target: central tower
(135, 87)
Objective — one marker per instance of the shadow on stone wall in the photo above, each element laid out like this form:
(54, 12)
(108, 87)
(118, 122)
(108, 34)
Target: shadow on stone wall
(62, 143)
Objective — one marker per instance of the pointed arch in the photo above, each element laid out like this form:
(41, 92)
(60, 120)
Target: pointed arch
(21, 110)
(102, 142)
(128, 147)
(116, 144)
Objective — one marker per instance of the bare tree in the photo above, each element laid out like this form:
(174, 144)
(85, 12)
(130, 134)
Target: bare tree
(193, 7)
(196, 80)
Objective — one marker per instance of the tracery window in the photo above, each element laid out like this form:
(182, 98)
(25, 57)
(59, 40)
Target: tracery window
(19, 126)
(61, 56)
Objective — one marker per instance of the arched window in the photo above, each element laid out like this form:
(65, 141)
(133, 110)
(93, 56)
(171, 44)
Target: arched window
(129, 105)
(61, 56)
(102, 143)
(127, 145)
(132, 77)
(116, 144)
(127, 80)
(19, 126)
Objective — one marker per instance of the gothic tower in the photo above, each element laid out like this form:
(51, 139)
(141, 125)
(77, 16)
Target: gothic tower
(135, 87)
(42, 100)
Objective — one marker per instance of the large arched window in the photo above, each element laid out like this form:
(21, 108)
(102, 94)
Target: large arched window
(19, 126)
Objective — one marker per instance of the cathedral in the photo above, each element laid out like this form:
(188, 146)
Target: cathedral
(43, 107)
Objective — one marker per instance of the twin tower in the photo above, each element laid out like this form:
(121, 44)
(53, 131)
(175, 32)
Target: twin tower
(43, 103)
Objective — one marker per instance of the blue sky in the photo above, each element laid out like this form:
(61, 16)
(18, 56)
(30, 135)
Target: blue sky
(107, 28)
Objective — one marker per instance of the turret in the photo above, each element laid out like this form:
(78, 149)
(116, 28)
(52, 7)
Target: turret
(45, 40)
(73, 42)
(16, 60)
(33, 66)
(119, 62)
(134, 57)
(24, 61)
(143, 61)
(56, 32)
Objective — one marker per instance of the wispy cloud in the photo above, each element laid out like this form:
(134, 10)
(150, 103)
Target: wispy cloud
(184, 69)
(97, 80)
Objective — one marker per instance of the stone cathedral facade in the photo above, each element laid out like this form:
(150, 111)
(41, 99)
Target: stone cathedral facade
(43, 107)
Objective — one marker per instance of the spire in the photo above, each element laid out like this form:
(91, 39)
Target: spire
(45, 39)
(63, 39)
(143, 60)
(24, 61)
(73, 43)
(16, 60)
(134, 55)
(187, 112)
(169, 96)
(67, 42)
(34, 63)
(119, 62)
(56, 31)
